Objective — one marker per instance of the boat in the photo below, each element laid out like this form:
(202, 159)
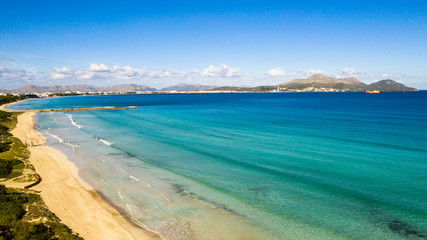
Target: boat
(373, 92)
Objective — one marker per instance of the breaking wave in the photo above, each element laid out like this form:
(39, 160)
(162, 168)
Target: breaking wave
(73, 122)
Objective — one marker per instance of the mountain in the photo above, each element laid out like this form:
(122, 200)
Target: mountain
(246, 89)
(30, 88)
(389, 85)
(128, 88)
(187, 87)
(318, 81)
(314, 83)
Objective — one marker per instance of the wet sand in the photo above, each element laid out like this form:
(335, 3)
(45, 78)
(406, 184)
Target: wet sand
(76, 203)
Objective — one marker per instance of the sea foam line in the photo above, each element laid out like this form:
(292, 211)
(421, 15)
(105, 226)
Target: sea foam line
(108, 143)
(73, 122)
(56, 137)
(134, 178)
(60, 140)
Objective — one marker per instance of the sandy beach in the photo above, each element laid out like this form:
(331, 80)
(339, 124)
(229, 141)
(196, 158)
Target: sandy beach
(78, 205)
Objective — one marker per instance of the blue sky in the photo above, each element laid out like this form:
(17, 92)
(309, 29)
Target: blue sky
(161, 43)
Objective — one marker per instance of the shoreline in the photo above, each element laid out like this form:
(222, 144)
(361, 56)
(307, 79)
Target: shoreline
(83, 209)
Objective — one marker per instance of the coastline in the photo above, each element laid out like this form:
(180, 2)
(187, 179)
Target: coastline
(75, 202)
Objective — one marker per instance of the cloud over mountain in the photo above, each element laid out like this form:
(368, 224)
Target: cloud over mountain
(221, 71)
(343, 73)
(102, 71)
(276, 72)
(14, 77)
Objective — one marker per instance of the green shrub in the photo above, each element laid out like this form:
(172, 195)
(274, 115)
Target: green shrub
(11, 98)
(3, 128)
(14, 219)
(34, 232)
(10, 210)
(3, 190)
(6, 166)
(4, 146)
(4, 116)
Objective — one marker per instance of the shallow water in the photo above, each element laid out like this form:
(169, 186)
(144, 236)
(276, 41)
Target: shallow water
(269, 166)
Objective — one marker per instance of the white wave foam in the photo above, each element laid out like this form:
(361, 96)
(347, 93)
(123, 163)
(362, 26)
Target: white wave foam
(74, 146)
(128, 206)
(60, 140)
(73, 122)
(134, 178)
(120, 195)
(105, 142)
(56, 137)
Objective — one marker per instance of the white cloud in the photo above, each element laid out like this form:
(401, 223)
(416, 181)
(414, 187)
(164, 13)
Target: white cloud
(346, 72)
(102, 71)
(279, 72)
(61, 73)
(98, 71)
(194, 72)
(315, 71)
(167, 73)
(98, 68)
(8, 72)
(10, 77)
(276, 72)
(221, 71)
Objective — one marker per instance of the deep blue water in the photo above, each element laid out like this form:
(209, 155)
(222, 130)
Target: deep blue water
(284, 165)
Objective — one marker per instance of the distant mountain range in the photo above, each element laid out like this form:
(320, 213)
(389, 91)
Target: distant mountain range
(30, 88)
(319, 83)
(313, 83)
(187, 87)
(78, 88)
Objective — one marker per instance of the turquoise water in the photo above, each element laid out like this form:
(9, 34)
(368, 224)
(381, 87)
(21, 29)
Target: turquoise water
(241, 166)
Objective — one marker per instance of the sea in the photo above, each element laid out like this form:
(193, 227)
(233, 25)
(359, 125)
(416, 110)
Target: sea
(253, 165)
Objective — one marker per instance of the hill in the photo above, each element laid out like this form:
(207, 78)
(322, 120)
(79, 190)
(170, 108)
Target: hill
(319, 81)
(389, 85)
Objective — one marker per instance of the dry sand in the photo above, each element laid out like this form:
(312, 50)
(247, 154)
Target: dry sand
(69, 197)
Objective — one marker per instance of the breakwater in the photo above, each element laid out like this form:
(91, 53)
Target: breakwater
(75, 109)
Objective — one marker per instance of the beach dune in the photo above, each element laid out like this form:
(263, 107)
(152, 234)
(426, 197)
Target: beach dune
(78, 205)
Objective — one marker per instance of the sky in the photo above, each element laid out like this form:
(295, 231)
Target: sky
(217, 43)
